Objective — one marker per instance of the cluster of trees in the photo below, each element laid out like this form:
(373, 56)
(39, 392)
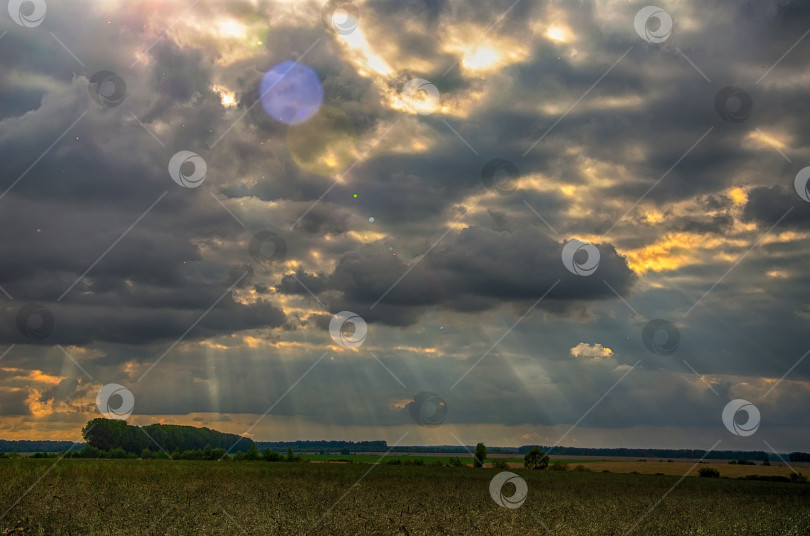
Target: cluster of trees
(111, 434)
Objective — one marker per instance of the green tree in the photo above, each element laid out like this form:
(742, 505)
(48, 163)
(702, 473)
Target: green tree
(480, 455)
(252, 453)
(535, 459)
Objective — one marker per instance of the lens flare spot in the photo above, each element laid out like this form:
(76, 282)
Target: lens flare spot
(291, 93)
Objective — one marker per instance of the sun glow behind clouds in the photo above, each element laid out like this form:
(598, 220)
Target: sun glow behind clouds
(480, 58)
(364, 57)
(559, 34)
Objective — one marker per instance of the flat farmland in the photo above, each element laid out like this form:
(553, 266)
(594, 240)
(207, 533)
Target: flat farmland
(127, 497)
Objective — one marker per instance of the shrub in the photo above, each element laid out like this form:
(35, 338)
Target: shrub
(766, 478)
(500, 464)
(581, 469)
(455, 462)
(535, 459)
(709, 472)
(559, 466)
(798, 478)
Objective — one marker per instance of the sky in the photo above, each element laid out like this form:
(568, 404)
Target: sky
(518, 222)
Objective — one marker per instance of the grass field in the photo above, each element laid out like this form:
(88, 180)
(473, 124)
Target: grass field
(127, 497)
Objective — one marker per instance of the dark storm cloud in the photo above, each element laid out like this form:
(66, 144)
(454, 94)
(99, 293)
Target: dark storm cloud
(465, 273)
(767, 205)
(61, 217)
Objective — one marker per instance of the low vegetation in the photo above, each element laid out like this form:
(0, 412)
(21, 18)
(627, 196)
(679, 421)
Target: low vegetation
(129, 497)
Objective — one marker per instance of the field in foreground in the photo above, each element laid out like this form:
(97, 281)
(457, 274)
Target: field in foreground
(118, 497)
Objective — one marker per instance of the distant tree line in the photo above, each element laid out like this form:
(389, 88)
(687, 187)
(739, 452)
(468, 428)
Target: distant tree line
(207, 453)
(652, 453)
(25, 445)
(326, 446)
(110, 434)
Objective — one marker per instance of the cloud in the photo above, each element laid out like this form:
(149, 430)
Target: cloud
(591, 351)
(617, 142)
